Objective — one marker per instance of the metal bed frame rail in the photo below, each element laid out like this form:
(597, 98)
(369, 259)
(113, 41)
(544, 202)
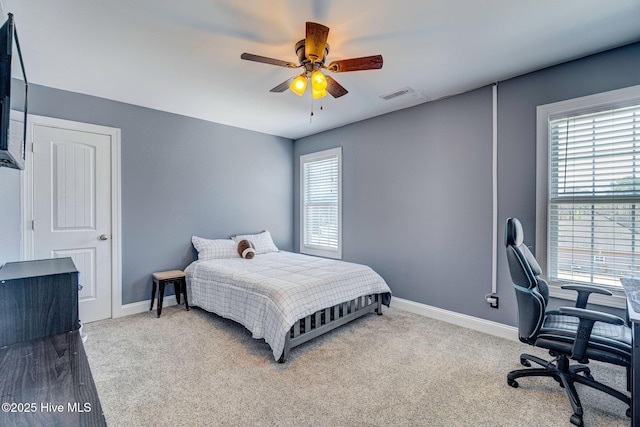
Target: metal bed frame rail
(327, 319)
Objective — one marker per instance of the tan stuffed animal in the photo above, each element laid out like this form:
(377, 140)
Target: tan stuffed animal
(246, 249)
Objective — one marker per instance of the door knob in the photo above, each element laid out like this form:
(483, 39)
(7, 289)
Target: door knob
(104, 237)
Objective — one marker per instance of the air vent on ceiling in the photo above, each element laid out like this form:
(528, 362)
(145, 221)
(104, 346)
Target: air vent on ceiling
(396, 93)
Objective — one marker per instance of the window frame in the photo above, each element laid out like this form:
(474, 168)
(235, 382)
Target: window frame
(314, 157)
(619, 98)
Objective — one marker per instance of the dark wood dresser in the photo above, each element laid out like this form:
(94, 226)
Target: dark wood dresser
(44, 373)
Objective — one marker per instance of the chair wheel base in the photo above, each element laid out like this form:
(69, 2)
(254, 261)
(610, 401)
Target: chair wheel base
(576, 420)
(512, 383)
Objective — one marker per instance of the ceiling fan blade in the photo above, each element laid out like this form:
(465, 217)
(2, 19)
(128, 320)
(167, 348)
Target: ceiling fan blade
(356, 64)
(334, 88)
(315, 41)
(265, 60)
(283, 86)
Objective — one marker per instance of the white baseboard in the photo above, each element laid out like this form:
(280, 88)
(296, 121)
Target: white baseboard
(142, 306)
(475, 323)
(466, 321)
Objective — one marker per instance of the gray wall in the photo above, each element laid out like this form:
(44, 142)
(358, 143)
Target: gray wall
(180, 176)
(417, 198)
(417, 183)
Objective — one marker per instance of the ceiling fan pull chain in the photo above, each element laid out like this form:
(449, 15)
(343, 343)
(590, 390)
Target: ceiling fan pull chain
(311, 115)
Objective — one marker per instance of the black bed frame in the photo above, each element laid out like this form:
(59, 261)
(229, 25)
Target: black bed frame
(327, 319)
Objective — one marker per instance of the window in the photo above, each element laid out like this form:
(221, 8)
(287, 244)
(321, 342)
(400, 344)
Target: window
(588, 226)
(321, 203)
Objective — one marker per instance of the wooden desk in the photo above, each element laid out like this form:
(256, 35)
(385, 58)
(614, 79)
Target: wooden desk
(632, 290)
(45, 378)
(47, 382)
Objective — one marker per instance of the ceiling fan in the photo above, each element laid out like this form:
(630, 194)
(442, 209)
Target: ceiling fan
(312, 52)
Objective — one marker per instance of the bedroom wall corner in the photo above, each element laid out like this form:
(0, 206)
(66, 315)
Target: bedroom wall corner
(417, 198)
(405, 211)
(180, 177)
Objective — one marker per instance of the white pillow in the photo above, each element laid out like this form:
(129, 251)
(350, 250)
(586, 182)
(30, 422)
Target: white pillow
(215, 249)
(262, 241)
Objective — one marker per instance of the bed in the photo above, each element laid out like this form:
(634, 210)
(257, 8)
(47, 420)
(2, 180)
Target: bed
(283, 297)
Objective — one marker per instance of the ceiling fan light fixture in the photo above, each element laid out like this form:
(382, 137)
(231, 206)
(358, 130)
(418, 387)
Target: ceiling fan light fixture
(312, 52)
(299, 85)
(318, 81)
(318, 93)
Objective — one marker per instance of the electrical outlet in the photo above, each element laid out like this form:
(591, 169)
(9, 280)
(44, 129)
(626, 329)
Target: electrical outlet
(493, 300)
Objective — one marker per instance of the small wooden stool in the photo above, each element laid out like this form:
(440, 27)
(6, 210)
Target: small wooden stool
(172, 277)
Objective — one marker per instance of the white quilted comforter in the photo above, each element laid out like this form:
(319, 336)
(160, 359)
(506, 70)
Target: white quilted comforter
(269, 293)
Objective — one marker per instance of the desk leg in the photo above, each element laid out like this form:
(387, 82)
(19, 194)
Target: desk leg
(635, 376)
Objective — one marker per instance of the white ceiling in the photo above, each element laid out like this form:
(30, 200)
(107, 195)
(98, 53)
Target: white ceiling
(184, 56)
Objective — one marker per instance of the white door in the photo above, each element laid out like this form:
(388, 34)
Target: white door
(72, 209)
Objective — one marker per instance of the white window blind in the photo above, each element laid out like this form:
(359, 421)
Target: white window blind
(594, 197)
(321, 203)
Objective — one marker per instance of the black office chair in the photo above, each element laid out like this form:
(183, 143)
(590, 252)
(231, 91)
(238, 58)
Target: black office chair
(568, 333)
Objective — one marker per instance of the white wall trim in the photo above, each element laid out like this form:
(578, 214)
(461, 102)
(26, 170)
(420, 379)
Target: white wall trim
(143, 306)
(26, 198)
(313, 157)
(466, 321)
(116, 224)
(26, 191)
(544, 113)
(618, 98)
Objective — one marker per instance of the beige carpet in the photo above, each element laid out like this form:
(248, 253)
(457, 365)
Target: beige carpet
(400, 369)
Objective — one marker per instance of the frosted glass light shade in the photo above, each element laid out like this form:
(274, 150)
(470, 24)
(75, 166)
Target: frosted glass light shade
(298, 85)
(318, 81)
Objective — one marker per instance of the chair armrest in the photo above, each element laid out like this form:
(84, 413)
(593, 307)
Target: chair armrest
(596, 316)
(583, 334)
(584, 291)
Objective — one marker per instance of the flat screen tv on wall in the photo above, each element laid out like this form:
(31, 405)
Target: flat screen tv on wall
(12, 141)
